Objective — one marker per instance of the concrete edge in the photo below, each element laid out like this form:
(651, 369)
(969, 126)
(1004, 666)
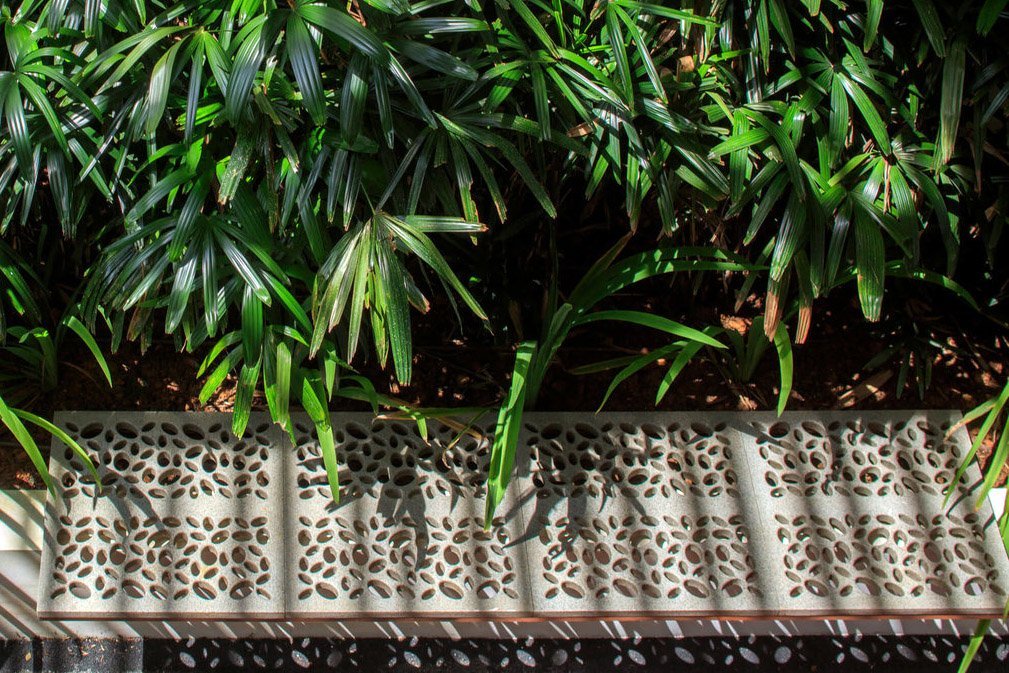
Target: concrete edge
(21, 527)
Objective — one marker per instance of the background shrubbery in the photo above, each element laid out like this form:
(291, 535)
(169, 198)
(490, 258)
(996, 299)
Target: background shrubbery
(278, 186)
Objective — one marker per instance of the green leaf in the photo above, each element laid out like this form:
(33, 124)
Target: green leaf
(290, 303)
(84, 335)
(993, 408)
(644, 51)
(874, 10)
(247, 380)
(243, 266)
(994, 469)
(222, 344)
(301, 50)
(182, 286)
(869, 261)
(839, 116)
(13, 423)
(442, 24)
(406, 84)
(156, 193)
(535, 25)
(277, 383)
(353, 98)
(868, 111)
(635, 365)
(343, 26)
(421, 246)
(40, 99)
(397, 311)
(138, 44)
(787, 149)
(932, 24)
(238, 165)
(654, 322)
(685, 355)
(608, 277)
(313, 399)
(17, 127)
(951, 101)
(739, 141)
(162, 75)
(664, 11)
(506, 432)
(436, 59)
(62, 436)
(193, 92)
(783, 344)
(248, 60)
(219, 373)
(252, 324)
(974, 645)
(905, 270)
(541, 100)
(791, 232)
(615, 35)
(989, 14)
(431, 224)
(779, 19)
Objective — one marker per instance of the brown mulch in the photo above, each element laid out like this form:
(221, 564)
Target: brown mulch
(473, 371)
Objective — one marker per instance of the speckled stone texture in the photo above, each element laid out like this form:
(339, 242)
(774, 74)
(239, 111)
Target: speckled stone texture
(620, 516)
(189, 520)
(407, 537)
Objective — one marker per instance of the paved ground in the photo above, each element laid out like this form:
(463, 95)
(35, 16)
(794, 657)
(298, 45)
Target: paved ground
(917, 654)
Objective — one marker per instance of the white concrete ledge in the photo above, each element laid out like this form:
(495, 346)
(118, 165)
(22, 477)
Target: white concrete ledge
(22, 519)
(21, 540)
(20, 557)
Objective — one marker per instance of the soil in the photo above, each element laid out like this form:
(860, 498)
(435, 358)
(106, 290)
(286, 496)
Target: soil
(471, 369)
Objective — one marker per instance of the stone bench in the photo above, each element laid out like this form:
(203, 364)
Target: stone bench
(825, 515)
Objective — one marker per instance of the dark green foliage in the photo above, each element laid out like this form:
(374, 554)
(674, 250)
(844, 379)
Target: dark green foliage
(279, 184)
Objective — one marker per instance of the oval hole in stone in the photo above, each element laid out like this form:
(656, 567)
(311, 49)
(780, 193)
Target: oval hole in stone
(193, 431)
(938, 587)
(91, 430)
(204, 590)
(133, 589)
(626, 588)
(80, 590)
(451, 589)
(696, 588)
(551, 431)
(241, 590)
(356, 431)
(817, 588)
(653, 431)
(488, 589)
(778, 430)
(379, 588)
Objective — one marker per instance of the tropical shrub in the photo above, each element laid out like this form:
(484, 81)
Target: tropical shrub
(277, 185)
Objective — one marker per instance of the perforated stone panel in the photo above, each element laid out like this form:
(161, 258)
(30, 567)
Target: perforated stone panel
(620, 516)
(407, 537)
(189, 520)
(636, 515)
(859, 523)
